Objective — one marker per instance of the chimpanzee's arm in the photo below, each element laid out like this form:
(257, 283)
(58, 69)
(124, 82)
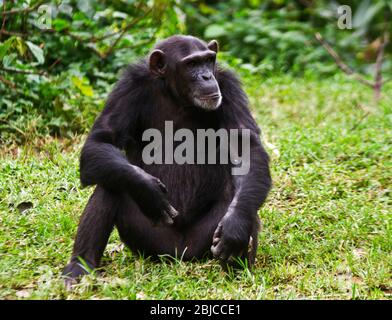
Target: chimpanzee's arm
(104, 163)
(232, 236)
(251, 189)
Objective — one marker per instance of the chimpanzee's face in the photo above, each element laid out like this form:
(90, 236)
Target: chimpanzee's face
(189, 68)
(198, 72)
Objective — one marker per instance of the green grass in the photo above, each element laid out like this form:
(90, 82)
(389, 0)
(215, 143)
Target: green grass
(326, 227)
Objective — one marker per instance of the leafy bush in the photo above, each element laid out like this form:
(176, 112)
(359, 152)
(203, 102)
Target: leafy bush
(278, 36)
(59, 59)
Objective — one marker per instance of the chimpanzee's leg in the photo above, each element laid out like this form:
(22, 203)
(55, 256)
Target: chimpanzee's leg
(183, 241)
(187, 242)
(199, 237)
(94, 229)
(140, 234)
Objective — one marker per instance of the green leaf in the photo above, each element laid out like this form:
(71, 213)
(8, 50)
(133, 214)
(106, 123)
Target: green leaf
(60, 24)
(9, 59)
(121, 15)
(86, 6)
(20, 45)
(4, 47)
(365, 13)
(251, 38)
(82, 85)
(214, 31)
(36, 51)
(205, 9)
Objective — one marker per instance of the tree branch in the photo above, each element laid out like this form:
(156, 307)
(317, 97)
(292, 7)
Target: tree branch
(22, 11)
(344, 67)
(13, 33)
(90, 41)
(4, 21)
(378, 68)
(129, 26)
(54, 64)
(14, 70)
(8, 83)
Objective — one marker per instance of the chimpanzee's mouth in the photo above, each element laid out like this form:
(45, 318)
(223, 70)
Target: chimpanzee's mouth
(214, 96)
(208, 102)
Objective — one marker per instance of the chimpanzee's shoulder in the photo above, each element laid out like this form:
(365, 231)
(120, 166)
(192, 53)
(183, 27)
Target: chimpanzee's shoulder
(235, 104)
(133, 83)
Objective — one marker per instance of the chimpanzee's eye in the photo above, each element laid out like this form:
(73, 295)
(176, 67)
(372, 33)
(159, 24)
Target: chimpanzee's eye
(192, 64)
(210, 61)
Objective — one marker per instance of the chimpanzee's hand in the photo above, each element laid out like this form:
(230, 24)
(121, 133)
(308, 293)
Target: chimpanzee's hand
(151, 199)
(231, 238)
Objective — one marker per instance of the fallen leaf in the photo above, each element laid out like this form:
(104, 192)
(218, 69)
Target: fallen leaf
(140, 295)
(359, 253)
(23, 294)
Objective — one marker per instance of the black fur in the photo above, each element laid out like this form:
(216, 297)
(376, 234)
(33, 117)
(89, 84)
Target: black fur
(215, 208)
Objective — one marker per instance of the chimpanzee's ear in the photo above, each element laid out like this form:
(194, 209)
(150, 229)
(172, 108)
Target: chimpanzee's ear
(158, 62)
(213, 45)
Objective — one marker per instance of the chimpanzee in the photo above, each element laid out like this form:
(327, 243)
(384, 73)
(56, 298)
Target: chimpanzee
(187, 210)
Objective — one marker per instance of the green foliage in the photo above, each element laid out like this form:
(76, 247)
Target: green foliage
(278, 36)
(58, 59)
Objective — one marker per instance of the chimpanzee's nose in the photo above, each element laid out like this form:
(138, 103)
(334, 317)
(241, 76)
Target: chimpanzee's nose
(206, 76)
